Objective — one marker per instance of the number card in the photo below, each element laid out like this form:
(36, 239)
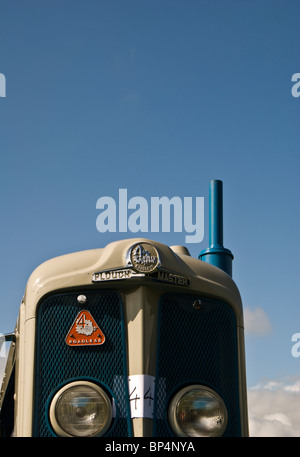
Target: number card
(141, 395)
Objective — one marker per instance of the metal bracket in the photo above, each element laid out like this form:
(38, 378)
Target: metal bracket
(7, 337)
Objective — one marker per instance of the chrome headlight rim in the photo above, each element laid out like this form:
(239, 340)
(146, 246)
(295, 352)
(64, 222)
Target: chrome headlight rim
(180, 393)
(54, 422)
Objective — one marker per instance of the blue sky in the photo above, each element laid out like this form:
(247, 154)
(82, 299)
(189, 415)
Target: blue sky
(158, 97)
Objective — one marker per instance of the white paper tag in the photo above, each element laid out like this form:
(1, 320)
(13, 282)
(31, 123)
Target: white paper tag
(141, 395)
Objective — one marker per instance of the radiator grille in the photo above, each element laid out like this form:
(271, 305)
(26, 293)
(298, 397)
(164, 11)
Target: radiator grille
(196, 346)
(57, 362)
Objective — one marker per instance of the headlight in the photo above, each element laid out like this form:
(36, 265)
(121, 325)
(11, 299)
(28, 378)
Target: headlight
(80, 408)
(197, 411)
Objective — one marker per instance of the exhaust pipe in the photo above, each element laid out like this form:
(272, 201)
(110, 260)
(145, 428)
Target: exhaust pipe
(216, 254)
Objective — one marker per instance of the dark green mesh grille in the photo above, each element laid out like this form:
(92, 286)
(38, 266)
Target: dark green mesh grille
(57, 362)
(196, 346)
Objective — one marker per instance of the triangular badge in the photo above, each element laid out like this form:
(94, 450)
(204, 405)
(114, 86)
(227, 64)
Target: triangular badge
(84, 331)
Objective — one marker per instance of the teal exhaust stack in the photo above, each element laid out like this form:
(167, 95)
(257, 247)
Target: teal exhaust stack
(216, 254)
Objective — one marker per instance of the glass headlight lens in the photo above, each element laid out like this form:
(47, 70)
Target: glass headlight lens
(197, 411)
(80, 409)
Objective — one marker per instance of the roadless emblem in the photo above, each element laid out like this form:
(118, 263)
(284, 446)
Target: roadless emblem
(85, 331)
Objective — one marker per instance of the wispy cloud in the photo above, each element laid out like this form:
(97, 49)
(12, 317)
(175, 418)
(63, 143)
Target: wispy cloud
(274, 408)
(256, 322)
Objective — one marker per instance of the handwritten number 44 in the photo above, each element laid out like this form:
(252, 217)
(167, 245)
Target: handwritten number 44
(147, 396)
